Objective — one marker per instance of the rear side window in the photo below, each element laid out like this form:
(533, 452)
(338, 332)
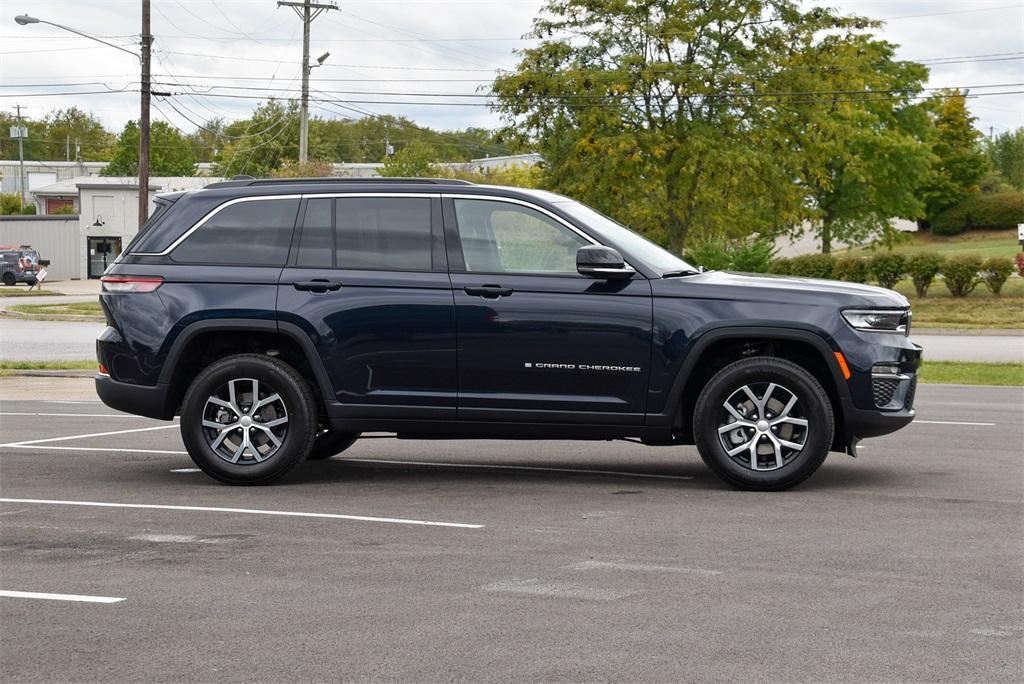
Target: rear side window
(369, 233)
(252, 233)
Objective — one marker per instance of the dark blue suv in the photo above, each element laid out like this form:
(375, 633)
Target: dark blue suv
(282, 318)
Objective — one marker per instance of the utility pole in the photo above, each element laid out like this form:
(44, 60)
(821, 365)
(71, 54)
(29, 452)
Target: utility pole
(147, 41)
(21, 158)
(307, 11)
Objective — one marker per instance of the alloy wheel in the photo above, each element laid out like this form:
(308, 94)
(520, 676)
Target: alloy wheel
(245, 421)
(762, 426)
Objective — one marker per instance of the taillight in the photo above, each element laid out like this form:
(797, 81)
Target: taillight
(128, 283)
(102, 370)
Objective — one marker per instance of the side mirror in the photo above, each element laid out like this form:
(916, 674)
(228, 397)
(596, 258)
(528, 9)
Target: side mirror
(598, 261)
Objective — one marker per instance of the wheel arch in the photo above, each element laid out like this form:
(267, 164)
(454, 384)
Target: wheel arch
(715, 349)
(203, 342)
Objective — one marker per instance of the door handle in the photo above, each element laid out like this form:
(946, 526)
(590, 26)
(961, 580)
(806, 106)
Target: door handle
(319, 285)
(488, 291)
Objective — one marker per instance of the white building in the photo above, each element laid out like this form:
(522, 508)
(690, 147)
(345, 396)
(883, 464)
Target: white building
(41, 173)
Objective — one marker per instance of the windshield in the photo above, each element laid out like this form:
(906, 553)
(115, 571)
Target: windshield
(635, 244)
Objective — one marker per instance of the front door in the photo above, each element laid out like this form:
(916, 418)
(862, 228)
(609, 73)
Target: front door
(368, 284)
(538, 341)
(102, 252)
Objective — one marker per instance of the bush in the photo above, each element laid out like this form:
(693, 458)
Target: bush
(711, 253)
(922, 269)
(888, 268)
(752, 257)
(1020, 264)
(981, 210)
(10, 203)
(812, 266)
(781, 266)
(994, 272)
(961, 274)
(851, 269)
(66, 210)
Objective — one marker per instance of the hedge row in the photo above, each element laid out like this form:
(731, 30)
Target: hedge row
(961, 274)
(982, 210)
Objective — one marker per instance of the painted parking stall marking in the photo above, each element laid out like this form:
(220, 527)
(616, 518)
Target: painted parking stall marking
(246, 511)
(7, 593)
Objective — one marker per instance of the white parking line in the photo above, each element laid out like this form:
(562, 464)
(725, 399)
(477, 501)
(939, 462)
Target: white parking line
(94, 434)
(72, 415)
(248, 511)
(952, 422)
(59, 597)
(472, 466)
(186, 470)
(72, 448)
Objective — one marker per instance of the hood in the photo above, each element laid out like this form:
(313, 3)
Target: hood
(774, 288)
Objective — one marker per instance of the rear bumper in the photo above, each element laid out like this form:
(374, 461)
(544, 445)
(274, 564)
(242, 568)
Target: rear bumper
(140, 400)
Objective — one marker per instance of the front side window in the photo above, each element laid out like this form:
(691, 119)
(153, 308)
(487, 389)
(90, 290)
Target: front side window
(249, 233)
(501, 237)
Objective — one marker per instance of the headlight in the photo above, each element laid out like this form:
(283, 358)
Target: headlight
(890, 320)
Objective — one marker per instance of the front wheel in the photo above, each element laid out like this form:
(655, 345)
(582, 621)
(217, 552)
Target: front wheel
(248, 419)
(763, 424)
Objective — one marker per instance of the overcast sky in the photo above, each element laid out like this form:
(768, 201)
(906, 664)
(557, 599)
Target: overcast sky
(403, 46)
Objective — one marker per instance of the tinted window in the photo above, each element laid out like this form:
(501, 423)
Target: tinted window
(316, 244)
(500, 237)
(253, 233)
(383, 233)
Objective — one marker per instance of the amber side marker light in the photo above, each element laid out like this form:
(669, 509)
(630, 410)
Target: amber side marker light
(128, 283)
(103, 370)
(842, 365)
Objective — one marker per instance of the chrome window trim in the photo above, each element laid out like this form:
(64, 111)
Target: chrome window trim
(257, 198)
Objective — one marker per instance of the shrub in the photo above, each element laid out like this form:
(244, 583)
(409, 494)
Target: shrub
(812, 265)
(1020, 264)
(851, 269)
(888, 268)
(981, 210)
(961, 274)
(781, 266)
(752, 257)
(711, 253)
(10, 203)
(65, 210)
(922, 269)
(994, 272)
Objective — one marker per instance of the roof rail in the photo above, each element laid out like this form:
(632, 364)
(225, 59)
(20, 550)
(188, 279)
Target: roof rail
(238, 181)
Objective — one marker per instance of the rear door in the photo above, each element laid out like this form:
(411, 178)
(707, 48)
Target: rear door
(367, 283)
(538, 341)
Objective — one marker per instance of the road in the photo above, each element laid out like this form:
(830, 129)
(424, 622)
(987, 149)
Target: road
(50, 340)
(905, 564)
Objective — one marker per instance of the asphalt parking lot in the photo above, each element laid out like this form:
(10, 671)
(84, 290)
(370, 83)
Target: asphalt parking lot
(905, 564)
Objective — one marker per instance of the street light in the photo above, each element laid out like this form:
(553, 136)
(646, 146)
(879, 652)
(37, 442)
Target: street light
(147, 40)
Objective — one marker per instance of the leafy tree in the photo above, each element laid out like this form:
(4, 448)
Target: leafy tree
(258, 145)
(78, 135)
(207, 139)
(169, 152)
(960, 163)
(697, 117)
(415, 159)
(293, 169)
(1006, 152)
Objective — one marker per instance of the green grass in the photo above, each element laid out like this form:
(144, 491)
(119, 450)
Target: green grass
(983, 243)
(91, 309)
(970, 373)
(23, 291)
(47, 365)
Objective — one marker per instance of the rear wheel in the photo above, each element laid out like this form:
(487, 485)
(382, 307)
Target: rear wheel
(763, 424)
(331, 443)
(248, 419)
(9, 279)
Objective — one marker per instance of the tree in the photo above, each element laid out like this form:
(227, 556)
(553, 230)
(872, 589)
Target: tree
(73, 134)
(415, 159)
(258, 145)
(960, 163)
(692, 117)
(1006, 153)
(169, 152)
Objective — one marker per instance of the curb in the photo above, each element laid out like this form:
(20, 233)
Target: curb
(7, 373)
(7, 313)
(964, 332)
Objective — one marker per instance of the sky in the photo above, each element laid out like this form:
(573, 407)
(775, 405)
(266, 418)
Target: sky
(380, 49)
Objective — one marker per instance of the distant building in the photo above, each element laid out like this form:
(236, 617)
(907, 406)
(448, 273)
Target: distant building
(41, 173)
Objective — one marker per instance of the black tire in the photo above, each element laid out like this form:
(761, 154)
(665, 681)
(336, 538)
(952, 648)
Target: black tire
(812, 406)
(331, 443)
(9, 279)
(294, 403)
